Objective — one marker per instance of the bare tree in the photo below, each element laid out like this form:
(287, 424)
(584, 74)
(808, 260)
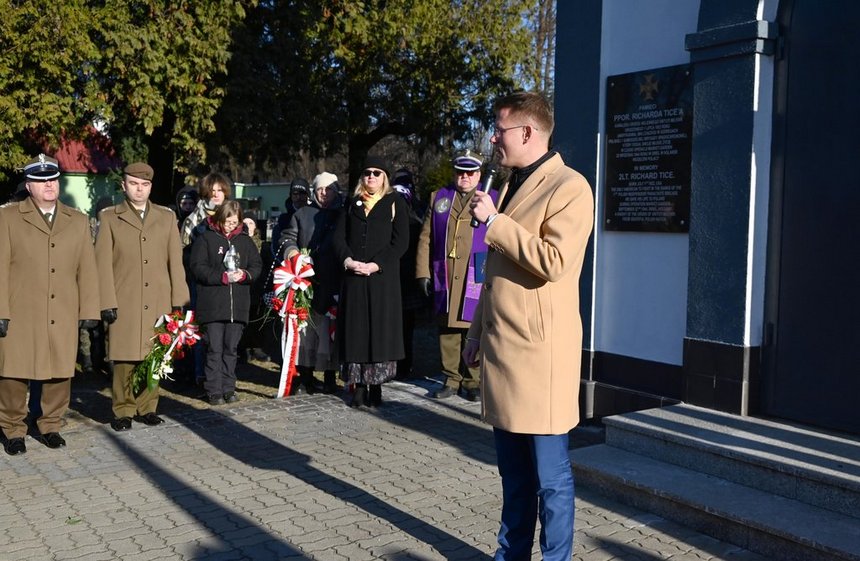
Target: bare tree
(544, 26)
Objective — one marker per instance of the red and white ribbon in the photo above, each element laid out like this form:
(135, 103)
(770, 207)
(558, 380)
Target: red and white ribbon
(289, 278)
(289, 350)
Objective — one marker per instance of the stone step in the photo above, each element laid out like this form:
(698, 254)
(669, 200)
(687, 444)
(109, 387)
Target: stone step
(772, 525)
(798, 463)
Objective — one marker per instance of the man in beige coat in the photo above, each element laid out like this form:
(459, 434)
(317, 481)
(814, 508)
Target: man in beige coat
(48, 289)
(527, 332)
(140, 266)
(450, 253)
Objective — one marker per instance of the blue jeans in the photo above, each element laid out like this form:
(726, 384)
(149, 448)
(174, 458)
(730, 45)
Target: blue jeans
(537, 482)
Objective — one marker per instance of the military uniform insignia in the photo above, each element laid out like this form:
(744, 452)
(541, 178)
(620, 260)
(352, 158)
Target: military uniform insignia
(442, 205)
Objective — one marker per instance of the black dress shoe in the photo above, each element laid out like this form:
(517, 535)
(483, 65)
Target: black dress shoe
(473, 394)
(258, 354)
(445, 393)
(14, 446)
(120, 424)
(51, 440)
(150, 419)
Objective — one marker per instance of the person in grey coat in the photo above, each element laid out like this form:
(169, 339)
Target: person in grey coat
(312, 228)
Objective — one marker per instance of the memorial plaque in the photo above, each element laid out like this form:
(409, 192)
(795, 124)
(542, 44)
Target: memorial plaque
(649, 130)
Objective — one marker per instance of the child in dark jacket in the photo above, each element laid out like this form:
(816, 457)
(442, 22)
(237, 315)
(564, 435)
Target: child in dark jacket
(224, 262)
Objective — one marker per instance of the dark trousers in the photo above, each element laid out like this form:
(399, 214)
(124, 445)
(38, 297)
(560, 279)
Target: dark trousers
(537, 482)
(53, 403)
(452, 341)
(222, 342)
(125, 403)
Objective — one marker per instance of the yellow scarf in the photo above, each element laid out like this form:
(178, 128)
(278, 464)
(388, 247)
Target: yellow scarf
(370, 200)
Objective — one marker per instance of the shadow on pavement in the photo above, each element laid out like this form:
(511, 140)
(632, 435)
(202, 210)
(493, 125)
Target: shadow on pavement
(243, 444)
(272, 455)
(625, 551)
(258, 543)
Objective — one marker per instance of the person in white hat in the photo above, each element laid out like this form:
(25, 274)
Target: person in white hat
(312, 228)
(49, 288)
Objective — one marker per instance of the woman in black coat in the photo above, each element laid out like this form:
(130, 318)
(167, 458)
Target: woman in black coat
(224, 262)
(369, 241)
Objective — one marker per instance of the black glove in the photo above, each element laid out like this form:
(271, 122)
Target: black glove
(4, 327)
(425, 287)
(109, 315)
(88, 323)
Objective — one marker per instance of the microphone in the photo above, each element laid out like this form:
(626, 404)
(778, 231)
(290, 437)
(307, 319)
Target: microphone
(489, 179)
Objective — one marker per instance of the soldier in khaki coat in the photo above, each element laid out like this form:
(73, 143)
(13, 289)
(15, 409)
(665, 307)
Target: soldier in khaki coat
(140, 266)
(447, 267)
(527, 332)
(48, 289)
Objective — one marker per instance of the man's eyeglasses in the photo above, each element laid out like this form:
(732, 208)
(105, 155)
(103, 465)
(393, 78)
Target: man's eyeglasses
(373, 172)
(496, 130)
(470, 172)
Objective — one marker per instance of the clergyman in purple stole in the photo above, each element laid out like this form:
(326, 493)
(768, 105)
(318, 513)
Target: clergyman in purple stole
(472, 292)
(449, 268)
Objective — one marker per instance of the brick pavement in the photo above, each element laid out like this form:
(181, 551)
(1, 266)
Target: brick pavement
(302, 478)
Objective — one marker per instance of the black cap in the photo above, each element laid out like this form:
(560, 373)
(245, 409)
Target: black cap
(299, 184)
(376, 162)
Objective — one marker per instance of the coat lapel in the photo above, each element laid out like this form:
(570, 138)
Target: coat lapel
(62, 218)
(128, 216)
(531, 185)
(33, 215)
(459, 206)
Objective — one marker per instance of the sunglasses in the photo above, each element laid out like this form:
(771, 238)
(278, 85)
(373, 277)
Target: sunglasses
(373, 172)
(470, 172)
